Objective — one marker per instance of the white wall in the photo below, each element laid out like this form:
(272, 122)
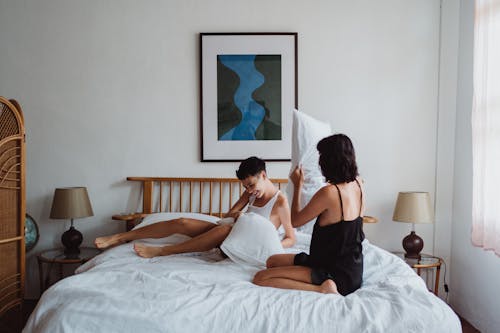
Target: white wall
(110, 89)
(474, 291)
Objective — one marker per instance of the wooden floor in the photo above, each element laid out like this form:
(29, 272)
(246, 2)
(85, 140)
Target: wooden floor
(466, 327)
(11, 321)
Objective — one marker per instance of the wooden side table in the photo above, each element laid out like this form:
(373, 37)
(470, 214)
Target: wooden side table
(57, 256)
(426, 261)
(131, 219)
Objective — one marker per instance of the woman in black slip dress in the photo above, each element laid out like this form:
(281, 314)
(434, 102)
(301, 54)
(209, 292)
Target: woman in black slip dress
(335, 262)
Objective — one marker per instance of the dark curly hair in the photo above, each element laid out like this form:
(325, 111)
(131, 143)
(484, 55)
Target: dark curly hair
(337, 159)
(250, 167)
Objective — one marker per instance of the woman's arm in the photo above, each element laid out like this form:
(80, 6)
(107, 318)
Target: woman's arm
(285, 220)
(317, 205)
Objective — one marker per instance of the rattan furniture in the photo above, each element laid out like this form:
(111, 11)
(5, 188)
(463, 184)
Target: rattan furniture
(12, 205)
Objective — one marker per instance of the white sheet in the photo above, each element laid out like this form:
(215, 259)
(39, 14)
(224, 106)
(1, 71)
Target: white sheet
(120, 292)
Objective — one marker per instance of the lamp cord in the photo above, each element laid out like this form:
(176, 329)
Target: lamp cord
(446, 289)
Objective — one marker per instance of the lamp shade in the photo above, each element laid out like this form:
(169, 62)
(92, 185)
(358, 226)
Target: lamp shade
(413, 207)
(71, 203)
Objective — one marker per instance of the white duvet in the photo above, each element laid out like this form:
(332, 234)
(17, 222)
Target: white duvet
(118, 291)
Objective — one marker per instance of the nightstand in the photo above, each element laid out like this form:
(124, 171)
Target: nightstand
(57, 256)
(426, 261)
(131, 219)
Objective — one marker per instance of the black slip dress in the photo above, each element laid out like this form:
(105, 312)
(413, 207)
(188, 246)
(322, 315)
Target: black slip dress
(336, 252)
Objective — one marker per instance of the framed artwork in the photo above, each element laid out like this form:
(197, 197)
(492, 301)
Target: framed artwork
(248, 91)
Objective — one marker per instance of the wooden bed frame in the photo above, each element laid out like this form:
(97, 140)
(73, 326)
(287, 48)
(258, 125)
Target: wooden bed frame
(212, 196)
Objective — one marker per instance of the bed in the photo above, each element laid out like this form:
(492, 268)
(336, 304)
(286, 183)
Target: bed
(118, 291)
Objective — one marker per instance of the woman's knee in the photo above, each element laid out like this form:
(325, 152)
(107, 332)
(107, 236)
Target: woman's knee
(272, 261)
(279, 260)
(180, 224)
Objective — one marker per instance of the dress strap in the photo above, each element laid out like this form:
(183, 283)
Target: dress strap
(341, 206)
(361, 197)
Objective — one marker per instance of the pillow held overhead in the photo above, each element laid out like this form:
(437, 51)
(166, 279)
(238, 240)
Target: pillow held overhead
(306, 133)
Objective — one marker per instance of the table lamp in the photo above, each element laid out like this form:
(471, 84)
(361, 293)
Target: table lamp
(71, 203)
(413, 207)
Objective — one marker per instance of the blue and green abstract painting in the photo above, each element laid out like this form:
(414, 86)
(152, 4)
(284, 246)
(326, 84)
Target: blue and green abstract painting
(248, 97)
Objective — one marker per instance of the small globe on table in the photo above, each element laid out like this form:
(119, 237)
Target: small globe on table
(31, 233)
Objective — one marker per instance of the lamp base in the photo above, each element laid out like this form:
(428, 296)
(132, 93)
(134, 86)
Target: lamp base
(413, 244)
(71, 240)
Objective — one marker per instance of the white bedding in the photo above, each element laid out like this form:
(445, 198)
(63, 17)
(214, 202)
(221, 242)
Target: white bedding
(118, 291)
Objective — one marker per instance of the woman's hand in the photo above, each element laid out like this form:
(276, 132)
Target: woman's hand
(297, 176)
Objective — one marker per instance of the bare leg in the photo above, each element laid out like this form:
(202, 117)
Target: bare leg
(185, 226)
(292, 277)
(204, 242)
(280, 260)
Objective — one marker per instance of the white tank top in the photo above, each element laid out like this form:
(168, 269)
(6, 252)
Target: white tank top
(264, 211)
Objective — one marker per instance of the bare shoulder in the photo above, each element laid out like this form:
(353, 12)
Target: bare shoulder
(282, 200)
(327, 190)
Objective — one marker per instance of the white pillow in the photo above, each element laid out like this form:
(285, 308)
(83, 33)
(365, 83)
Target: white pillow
(252, 240)
(157, 217)
(306, 133)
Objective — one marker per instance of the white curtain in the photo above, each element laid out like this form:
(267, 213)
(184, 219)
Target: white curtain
(486, 126)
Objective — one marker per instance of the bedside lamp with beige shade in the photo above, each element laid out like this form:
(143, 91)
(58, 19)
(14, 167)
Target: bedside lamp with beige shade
(71, 203)
(413, 207)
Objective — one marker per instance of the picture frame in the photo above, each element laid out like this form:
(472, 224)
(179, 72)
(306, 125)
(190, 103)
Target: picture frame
(248, 90)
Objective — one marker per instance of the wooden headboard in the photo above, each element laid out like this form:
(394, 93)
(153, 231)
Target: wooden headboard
(212, 196)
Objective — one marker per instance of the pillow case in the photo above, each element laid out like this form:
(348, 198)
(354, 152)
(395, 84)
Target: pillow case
(306, 133)
(252, 240)
(157, 217)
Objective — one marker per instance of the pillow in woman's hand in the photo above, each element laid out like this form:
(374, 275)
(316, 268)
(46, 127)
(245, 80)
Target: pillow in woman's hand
(252, 240)
(307, 132)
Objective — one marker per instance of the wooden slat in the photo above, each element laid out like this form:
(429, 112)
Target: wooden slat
(190, 196)
(201, 197)
(220, 199)
(230, 195)
(161, 196)
(180, 194)
(170, 198)
(210, 208)
(147, 201)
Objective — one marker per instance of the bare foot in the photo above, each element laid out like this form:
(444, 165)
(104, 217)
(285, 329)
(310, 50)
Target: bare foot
(328, 287)
(147, 251)
(107, 241)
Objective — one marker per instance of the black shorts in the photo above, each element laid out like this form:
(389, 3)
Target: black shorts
(348, 279)
(318, 275)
